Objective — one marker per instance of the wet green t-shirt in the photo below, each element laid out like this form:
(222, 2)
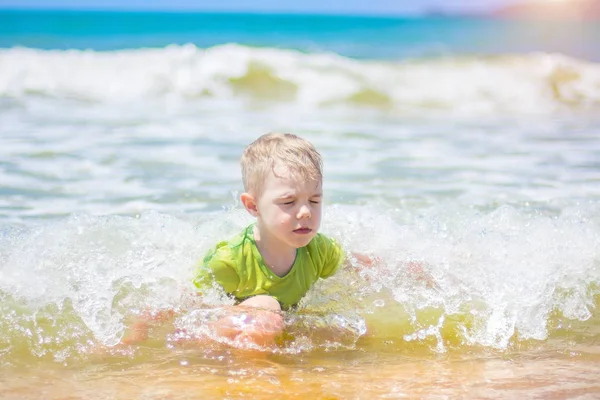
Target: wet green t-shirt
(238, 266)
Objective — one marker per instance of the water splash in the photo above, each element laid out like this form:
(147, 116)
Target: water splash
(493, 278)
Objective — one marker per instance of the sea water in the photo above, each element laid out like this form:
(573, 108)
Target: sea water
(470, 146)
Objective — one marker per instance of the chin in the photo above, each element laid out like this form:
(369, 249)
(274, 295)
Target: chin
(302, 242)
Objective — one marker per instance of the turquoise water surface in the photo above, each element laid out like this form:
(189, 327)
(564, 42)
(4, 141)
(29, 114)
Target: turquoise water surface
(352, 36)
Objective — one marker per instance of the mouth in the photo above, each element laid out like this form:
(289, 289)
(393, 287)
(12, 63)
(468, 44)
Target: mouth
(303, 231)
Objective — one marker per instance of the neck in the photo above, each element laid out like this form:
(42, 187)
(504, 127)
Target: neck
(278, 256)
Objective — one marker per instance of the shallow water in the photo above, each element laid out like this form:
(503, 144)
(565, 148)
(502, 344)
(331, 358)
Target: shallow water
(532, 375)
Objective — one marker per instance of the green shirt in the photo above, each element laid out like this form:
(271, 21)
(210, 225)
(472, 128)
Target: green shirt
(238, 266)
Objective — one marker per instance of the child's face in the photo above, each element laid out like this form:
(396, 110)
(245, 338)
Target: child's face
(289, 210)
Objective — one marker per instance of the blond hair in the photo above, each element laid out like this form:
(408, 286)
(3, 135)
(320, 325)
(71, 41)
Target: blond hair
(298, 155)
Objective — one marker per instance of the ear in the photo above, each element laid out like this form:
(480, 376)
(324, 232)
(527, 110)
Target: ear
(249, 203)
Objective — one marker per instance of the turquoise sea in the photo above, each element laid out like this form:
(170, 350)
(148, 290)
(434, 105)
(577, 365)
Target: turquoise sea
(470, 145)
(387, 38)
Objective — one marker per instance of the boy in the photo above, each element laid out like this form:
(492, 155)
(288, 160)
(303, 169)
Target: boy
(272, 263)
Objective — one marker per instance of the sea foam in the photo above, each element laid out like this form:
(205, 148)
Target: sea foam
(533, 83)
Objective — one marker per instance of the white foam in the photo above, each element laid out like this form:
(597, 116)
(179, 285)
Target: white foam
(512, 269)
(504, 273)
(535, 83)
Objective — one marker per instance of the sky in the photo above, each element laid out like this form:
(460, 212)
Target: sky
(317, 6)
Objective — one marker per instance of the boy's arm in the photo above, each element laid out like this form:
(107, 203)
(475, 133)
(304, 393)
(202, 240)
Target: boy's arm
(264, 321)
(257, 320)
(138, 330)
(415, 268)
(362, 260)
(216, 268)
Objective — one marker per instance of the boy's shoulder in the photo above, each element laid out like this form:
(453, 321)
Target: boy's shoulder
(323, 239)
(323, 243)
(245, 236)
(326, 253)
(232, 244)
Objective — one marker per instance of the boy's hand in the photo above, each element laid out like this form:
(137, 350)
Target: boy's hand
(415, 268)
(365, 260)
(258, 327)
(138, 331)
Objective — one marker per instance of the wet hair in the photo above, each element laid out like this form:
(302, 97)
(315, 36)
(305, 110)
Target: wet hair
(287, 150)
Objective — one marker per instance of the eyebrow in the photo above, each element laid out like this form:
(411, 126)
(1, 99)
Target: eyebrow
(290, 195)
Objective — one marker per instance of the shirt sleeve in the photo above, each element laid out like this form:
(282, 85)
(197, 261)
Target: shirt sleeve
(332, 255)
(218, 266)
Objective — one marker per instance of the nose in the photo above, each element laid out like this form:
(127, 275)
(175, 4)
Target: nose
(303, 212)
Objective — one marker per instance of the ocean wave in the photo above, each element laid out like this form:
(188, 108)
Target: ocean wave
(534, 83)
(497, 280)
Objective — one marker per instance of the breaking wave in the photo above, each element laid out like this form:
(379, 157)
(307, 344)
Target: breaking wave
(534, 83)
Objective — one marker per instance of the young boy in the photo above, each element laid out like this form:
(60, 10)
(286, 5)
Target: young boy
(272, 263)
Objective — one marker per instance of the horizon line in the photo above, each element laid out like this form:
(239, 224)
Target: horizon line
(358, 13)
(184, 10)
